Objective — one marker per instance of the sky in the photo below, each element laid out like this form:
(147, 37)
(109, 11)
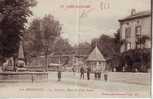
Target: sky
(83, 20)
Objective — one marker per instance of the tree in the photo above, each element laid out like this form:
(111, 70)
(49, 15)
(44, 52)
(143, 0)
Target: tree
(50, 29)
(62, 46)
(84, 48)
(31, 38)
(110, 48)
(106, 45)
(62, 50)
(12, 25)
(94, 42)
(136, 59)
(117, 41)
(45, 31)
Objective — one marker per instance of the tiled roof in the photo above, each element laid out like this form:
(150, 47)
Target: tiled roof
(96, 55)
(137, 15)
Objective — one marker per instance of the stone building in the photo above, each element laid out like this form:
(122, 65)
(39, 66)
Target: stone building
(135, 31)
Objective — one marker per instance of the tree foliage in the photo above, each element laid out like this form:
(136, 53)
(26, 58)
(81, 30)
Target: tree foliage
(139, 59)
(106, 45)
(84, 48)
(117, 41)
(42, 35)
(32, 37)
(14, 15)
(63, 47)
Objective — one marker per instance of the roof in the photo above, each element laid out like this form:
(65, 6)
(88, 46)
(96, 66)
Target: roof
(137, 15)
(96, 55)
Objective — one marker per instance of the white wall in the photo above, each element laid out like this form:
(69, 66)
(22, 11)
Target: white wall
(145, 23)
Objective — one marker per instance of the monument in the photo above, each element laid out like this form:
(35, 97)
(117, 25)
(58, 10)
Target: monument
(21, 58)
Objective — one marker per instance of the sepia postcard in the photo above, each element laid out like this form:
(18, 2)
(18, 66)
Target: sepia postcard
(75, 48)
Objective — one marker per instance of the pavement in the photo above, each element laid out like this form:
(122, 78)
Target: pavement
(71, 86)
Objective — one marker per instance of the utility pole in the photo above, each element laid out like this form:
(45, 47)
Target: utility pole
(46, 57)
(59, 59)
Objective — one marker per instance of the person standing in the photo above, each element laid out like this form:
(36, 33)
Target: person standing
(88, 73)
(106, 75)
(59, 73)
(73, 69)
(99, 75)
(82, 73)
(96, 74)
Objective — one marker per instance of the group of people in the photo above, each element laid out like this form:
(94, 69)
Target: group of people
(82, 71)
(97, 73)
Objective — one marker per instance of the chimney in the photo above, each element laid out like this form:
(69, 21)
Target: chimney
(133, 11)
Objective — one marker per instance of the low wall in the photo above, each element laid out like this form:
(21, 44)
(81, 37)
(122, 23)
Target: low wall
(23, 76)
(126, 77)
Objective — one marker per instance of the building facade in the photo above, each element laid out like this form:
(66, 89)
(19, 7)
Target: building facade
(135, 31)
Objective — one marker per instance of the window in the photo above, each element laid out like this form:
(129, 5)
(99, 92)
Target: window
(128, 45)
(138, 30)
(138, 36)
(128, 32)
(138, 45)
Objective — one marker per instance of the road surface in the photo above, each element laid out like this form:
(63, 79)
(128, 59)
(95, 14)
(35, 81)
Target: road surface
(72, 86)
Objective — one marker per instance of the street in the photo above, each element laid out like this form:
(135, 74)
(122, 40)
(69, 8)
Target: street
(72, 86)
